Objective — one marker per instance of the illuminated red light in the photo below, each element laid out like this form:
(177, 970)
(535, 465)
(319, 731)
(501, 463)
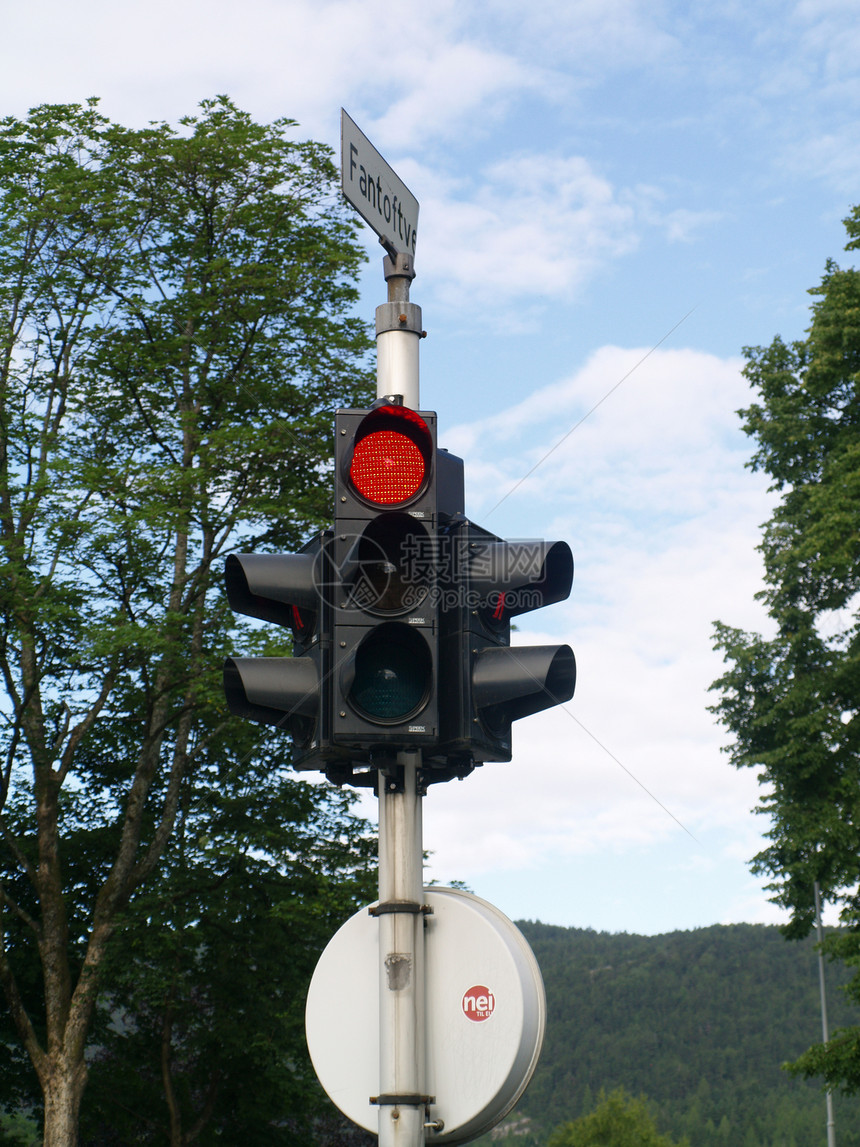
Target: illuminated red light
(387, 467)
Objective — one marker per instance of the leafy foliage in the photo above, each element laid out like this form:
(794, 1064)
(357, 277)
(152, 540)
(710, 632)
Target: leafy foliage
(790, 701)
(618, 1120)
(207, 981)
(174, 335)
(18, 1131)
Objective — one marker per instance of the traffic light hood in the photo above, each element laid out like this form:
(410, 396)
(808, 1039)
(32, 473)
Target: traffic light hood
(517, 577)
(271, 586)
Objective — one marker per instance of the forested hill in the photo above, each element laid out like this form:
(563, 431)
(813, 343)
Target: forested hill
(699, 1022)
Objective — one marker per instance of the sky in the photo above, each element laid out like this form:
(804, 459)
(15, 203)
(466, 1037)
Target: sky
(616, 197)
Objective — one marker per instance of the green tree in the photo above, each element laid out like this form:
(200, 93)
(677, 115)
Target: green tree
(200, 1034)
(837, 1062)
(790, 700)
(175, 332)
(17, 1131)
(618, 1120)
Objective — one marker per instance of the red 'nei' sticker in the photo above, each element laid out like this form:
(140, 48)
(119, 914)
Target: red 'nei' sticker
(478, 1003)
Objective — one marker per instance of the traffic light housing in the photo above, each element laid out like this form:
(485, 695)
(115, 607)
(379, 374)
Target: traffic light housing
(394, 491)
(487, 683)
(286, 692)
(400, 615)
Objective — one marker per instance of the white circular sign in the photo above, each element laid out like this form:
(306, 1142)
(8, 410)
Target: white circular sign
(485, 1016)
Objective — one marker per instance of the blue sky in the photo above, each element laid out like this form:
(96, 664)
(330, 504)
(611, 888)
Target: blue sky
(610, 190)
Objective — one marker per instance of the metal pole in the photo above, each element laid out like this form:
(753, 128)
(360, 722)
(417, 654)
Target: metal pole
(831, 1125)
(402, 1099)
(398, 331)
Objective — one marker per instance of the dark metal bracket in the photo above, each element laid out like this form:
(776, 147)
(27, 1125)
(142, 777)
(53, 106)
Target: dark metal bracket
(404, 1099)
(392, 777)
(407, 907)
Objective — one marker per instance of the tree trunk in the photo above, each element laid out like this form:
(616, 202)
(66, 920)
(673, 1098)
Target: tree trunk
(63, 1089)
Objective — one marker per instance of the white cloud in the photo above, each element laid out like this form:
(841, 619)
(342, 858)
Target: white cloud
(832, 155)
(406, 78)
(449, 84)
(665, 521)
(646, 429)
(529, 225)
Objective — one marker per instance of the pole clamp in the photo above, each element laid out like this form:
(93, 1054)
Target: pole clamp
(399, 316)
(403, 1099)
(407, 907)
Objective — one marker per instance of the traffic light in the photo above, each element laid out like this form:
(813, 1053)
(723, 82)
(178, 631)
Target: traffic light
(394, 491)
(486, 682)
(287, 692)
(400, 615)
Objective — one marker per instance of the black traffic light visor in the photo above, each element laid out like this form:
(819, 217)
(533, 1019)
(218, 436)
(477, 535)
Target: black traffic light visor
(513, 682)
(274, 587)
(517, 577)
(280, 691)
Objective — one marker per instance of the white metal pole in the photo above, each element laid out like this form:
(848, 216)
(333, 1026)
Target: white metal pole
(396, 359)
(398, 332)
(402, 1098)
(831, 1124)
(402, 1075)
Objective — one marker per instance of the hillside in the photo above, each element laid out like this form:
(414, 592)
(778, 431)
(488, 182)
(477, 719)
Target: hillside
(699, 1022)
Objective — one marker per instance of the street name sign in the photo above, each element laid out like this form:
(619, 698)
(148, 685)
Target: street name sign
(377, 193)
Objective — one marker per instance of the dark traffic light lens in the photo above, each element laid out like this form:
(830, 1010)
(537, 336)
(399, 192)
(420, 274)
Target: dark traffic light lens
(395, 559)
(387, 468)
(393, 669)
